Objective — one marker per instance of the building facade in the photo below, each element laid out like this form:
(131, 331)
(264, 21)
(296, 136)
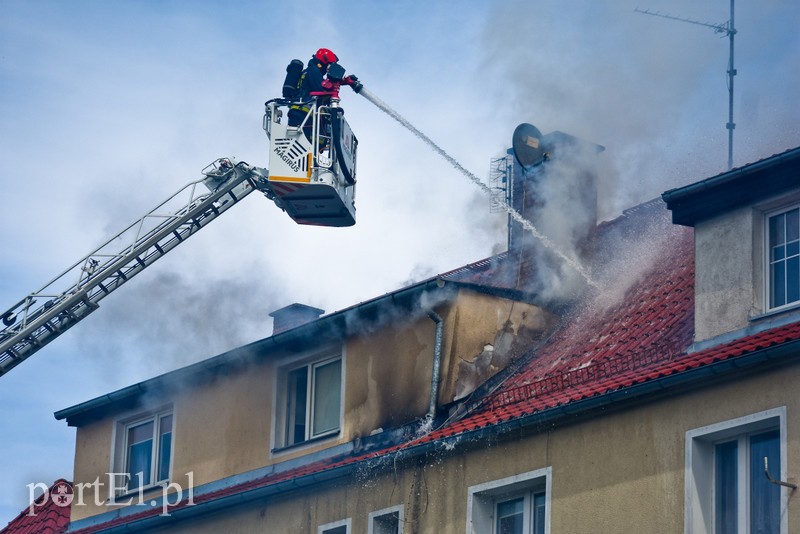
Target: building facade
(658, 396)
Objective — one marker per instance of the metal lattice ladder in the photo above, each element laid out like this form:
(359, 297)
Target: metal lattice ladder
(45, 314)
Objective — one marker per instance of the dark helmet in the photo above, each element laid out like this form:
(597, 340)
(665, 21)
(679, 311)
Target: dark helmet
(326, 56)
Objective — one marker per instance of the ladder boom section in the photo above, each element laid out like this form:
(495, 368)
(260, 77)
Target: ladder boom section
(72, 295)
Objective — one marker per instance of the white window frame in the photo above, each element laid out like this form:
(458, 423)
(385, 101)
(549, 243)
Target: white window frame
(120, 446)
(699, 469)
(346, 523)
(280, 437)
(767, 260)
(399, 510)
(482, 498)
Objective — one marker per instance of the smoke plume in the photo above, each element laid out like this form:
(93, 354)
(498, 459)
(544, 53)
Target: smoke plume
(169, 321)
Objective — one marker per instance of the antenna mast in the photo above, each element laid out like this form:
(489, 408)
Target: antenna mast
(728, 29)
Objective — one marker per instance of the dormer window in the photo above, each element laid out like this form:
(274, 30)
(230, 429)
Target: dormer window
(784, 257)
(747, 245)
(143, 450)
(309, 401)
(148, 450)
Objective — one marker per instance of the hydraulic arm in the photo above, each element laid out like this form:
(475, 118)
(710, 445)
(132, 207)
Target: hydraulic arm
(43, 315)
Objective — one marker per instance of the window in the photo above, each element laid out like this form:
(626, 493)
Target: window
(144, 451)
(520, 514)
(387, 521)
(310, 401)
(727, 491)
(516, 505)
(339, 527)
(784, 257)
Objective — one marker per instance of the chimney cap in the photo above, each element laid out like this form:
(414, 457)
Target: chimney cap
(292, 316)
(556, 138)
(297, 308)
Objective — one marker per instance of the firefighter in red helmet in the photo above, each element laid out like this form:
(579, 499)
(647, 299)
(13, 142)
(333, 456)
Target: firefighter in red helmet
(311, 81)
(326, 56)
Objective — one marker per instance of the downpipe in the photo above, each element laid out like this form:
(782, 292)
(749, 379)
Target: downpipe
(437, 364)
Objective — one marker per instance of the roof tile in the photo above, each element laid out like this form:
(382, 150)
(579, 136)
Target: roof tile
(48, 514)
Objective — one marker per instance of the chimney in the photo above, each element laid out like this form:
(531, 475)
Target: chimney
(559, 197)
(292, 316)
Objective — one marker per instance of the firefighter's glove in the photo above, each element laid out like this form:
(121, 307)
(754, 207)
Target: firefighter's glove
(353, 82)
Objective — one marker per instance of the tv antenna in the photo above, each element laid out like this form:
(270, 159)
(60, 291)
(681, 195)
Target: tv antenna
(729, 30)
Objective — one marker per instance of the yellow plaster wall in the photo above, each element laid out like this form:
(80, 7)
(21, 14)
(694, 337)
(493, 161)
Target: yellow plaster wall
(223, 426)
(216, 433)
(478, 320)
(388, 377)
(389, 370)
(92, 462)
(618, 472)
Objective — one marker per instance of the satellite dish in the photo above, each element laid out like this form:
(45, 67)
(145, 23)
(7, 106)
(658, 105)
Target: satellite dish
(527, 145)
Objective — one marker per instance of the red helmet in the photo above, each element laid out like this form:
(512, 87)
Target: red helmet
(326, 56)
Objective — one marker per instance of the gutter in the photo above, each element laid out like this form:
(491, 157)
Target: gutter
(680, 193)
(734, 189)
(651, 389)
(186, 512)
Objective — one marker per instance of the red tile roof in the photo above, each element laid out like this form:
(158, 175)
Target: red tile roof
(616, 374)
(643, 338)
(48, 515)
(651, 322)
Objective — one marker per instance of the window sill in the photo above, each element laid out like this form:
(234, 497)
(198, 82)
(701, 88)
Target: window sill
(776, 311)
(296, 446)
(160, 486)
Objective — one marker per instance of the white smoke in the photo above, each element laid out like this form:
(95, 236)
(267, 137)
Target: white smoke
(170, 320)
(652, 91)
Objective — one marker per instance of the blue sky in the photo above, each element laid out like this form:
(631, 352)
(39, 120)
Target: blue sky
(106, 108)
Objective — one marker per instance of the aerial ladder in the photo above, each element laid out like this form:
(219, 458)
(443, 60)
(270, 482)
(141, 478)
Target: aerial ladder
(313, 180)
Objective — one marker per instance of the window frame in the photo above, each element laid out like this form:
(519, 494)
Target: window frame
(699, 475)
(282, 411)
(326, 528)
(399, 510)
(482, 499)
(120, 457)
(767, 259)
